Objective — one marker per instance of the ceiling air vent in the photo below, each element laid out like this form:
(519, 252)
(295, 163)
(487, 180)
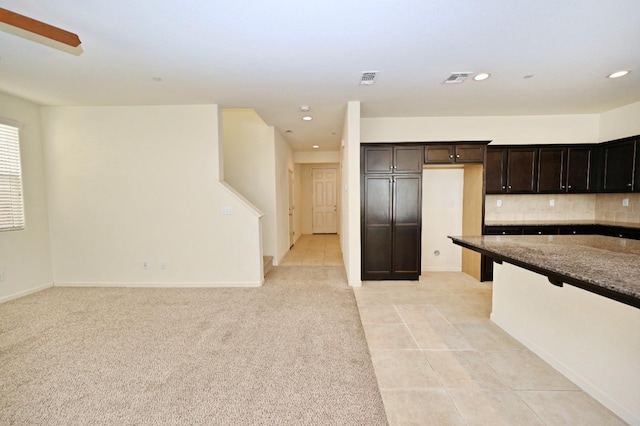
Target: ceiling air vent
(457, 77)
(368, 78)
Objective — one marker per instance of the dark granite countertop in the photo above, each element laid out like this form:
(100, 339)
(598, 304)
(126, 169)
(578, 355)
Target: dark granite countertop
(607, 266)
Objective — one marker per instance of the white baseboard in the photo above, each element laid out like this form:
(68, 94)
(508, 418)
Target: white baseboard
(161, 284)
(25, 292)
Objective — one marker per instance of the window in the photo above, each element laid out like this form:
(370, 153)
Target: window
(11, 203)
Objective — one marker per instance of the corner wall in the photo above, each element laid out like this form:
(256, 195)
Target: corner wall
(256, 163)
(620, 122)
(350, 219)
(128, 185)
(25, 256)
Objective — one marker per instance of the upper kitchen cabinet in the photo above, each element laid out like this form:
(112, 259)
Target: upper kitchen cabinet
(463, 153)
(619, 164)
(564, 169)
(392, 159)
(511, 170)
(496, 170)
(579, 169)
(552, 169)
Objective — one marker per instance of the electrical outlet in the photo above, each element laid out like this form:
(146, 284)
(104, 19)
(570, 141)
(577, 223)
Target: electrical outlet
(625, 202)
(552, 202)
(163, 265)
(498, 203)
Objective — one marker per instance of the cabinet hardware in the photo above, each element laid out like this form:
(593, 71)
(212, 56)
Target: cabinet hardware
(450, 155)
(458, 156)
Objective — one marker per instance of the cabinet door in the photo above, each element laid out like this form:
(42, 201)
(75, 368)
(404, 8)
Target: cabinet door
(619, 163)
(521, 170)
(407, 224)
(438, 154)
(469, 153)
(376, 227)
(496, 173)
(408, 159)
(378, 159)
(636, 186)
(551, 163)
(578, 169)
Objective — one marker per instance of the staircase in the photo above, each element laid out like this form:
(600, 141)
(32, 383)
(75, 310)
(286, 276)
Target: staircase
(267, 264)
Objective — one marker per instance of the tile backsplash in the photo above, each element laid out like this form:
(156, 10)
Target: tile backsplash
(581, 208)
(610, 208)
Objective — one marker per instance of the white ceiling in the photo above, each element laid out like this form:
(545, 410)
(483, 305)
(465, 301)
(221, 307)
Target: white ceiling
(277, 55)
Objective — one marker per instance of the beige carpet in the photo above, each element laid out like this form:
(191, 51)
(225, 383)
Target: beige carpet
(290, 353)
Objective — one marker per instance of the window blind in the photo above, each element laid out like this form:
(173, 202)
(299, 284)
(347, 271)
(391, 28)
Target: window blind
(11, 203)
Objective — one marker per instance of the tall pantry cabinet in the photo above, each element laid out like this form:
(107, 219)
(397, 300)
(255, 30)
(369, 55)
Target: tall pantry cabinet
(391, 206)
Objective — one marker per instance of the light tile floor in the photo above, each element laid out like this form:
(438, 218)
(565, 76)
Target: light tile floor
(314, 250)
(439, 360)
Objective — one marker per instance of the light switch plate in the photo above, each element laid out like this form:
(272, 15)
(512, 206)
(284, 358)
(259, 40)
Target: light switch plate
(498, 203)
(625, 202)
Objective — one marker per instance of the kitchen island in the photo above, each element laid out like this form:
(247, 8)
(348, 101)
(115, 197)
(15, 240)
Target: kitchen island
(574, 300)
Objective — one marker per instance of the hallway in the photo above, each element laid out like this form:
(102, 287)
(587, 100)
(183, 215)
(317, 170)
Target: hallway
(315, 250)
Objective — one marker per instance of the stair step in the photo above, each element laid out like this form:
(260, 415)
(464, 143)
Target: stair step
(267, 264)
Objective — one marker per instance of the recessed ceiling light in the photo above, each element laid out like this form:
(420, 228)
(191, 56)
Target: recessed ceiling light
(618, 74)
(305, 108)
(481, 76)
(307, 118)
(315, 146)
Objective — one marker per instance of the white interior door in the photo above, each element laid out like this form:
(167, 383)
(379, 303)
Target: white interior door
(325, 204)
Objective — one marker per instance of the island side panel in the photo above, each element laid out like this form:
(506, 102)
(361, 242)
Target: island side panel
(592, 340)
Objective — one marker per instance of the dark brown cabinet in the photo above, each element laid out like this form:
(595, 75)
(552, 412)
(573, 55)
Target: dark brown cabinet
(579, 169)
(454, 153)
(496, 171)
(392, 159)
(619, 168)
(391, 216)
(564, 169)
(539, 169)
(511, 170)
(551, 169)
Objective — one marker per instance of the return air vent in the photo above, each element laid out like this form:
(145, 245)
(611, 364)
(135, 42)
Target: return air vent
(457, 77)
(368, 78)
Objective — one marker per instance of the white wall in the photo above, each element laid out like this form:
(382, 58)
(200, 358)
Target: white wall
(536, 129)
(620, 122)
(133, 184)
(25, 257)
(441, 216)
(350, 219)
(316, 157)
(283, 163)
(249, 167)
